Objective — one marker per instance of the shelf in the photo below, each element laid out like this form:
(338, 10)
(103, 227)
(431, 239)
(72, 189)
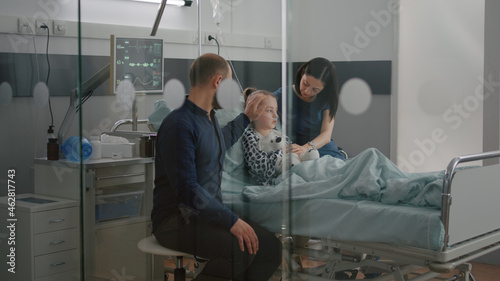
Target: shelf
(120, 222)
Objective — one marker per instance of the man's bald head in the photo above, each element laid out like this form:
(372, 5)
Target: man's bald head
(207, 66)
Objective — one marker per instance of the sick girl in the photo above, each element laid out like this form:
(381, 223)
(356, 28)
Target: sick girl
(262, 143)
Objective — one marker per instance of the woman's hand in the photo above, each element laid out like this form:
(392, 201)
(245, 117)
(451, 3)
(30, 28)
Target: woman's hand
(299, 149)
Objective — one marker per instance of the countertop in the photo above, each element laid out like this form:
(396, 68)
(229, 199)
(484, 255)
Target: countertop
(95, 163)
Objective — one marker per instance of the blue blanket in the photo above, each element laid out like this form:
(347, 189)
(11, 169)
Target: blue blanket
(368, 176)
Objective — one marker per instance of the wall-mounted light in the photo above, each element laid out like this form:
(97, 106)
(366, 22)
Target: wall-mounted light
(161, 8)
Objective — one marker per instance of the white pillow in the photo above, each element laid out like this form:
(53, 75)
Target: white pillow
(160, 111)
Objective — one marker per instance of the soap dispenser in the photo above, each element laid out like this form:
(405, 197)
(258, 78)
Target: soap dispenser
(52, 145)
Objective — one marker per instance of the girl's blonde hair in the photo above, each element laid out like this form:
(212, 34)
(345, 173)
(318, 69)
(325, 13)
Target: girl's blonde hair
(249, 91)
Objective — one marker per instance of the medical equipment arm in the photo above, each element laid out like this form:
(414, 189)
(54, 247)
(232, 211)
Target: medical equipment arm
(88, 88)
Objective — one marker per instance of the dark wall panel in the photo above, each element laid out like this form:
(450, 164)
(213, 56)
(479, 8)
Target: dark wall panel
(20, 71)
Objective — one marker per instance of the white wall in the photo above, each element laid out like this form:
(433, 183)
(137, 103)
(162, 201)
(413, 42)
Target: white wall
(342, 30)
(346, 30)
(245, 25)
(491, 114)
(441, 59)
(336, 29)
(438, 52)
(244, 28)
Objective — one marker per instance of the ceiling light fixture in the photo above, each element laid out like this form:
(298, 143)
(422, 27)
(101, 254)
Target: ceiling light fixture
(161, 8)
(179, 3)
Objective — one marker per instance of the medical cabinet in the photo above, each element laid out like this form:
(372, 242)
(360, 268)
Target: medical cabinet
(117, 200)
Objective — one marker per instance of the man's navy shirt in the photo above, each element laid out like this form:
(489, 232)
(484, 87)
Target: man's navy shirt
(190, 151)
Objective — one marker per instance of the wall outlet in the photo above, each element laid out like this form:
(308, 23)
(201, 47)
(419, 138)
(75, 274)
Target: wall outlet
(268, 43)
(39, 23)
(209, 42)
(26, 25)
(195, 38)
(59, 27)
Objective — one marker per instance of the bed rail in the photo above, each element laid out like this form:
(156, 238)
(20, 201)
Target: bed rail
(448, 177)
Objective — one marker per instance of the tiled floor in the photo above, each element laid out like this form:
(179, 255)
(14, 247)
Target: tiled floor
(481, 272)
(485, 272)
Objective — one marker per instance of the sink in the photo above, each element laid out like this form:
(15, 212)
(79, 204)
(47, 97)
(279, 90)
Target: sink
(131, 134)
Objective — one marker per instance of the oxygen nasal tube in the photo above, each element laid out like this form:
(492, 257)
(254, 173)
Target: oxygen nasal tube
(272, 118)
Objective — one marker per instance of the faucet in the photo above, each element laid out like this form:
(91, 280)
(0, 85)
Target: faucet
(134, 121)
(127, 121)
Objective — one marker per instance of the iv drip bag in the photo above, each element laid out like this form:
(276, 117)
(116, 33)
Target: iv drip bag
(216, 11)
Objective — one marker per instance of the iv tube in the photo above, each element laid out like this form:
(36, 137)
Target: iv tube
(231, 63)
(218, 19)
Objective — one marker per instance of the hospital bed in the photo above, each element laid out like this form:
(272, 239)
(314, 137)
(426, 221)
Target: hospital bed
(388, 241)
(346, 236)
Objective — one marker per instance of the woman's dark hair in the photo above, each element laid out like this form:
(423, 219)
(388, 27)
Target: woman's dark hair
(324, 70)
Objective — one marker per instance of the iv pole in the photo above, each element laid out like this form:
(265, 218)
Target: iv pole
(199, 27)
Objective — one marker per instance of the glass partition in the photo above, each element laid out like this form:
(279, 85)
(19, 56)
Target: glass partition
(340, 59)
(147, 44)
(41, 200)
(406, 105)
(349, 88)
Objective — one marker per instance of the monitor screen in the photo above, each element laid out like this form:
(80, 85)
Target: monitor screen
(138, 60)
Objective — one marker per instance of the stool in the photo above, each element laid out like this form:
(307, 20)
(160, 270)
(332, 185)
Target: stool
(151, 246)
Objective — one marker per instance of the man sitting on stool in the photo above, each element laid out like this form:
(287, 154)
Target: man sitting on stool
(188, 214)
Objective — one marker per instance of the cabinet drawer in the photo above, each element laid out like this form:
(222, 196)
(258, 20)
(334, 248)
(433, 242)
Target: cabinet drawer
(57, 241)
(56, 263)
(65, 276)
(55, 220)
(112, 176)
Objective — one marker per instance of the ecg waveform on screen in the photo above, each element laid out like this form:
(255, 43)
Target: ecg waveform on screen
(141, 62)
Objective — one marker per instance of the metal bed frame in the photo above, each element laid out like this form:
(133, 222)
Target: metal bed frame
(469, 233)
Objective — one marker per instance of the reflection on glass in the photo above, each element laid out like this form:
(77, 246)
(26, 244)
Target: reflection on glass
(174, 94)
(355, 96)
(41, 94)
(229, 94)
(5, 93)
(125, 94)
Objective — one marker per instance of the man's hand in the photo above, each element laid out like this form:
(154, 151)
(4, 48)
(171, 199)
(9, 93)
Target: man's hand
(246, 236)
(254, 109)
